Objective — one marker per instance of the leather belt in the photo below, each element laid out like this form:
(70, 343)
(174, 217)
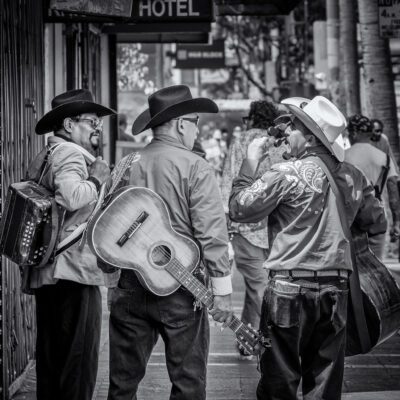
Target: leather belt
(303, 273)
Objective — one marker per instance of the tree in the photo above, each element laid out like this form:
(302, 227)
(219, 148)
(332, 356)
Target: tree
(349, 65)
(132, 69)
(251, 41)
(377, 72)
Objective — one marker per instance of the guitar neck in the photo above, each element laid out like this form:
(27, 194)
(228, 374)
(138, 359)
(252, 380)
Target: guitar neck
(200, 292)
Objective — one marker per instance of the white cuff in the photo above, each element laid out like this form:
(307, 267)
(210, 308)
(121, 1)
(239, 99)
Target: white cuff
(221, 286)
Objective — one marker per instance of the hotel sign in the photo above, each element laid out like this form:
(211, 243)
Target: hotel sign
(130, 11)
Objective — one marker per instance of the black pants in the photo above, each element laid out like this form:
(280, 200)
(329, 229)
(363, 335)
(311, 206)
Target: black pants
(306, 321)
(137, 319)
(68, 338)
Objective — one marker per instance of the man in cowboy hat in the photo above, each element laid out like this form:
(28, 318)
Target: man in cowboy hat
(187, 184)
(68, 300)
(305, 303)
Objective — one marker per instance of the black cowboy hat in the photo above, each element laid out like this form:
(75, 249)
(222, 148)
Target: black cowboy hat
(70, 104)
(169, 103)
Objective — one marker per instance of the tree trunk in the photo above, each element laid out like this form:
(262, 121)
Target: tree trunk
(377, 73)
(333, 48)
(349, 67)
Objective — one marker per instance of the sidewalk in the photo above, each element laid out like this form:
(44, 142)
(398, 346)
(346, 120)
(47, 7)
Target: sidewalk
(374, 376)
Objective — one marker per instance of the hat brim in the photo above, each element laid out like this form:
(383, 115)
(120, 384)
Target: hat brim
(334, 148)
(200, 105)
(50, 120)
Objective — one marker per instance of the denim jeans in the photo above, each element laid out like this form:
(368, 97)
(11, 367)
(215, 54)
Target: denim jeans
(306, 320)
(249, 262)
(137, 319)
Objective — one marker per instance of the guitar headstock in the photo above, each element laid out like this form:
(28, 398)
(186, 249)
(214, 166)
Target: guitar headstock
(251, 340)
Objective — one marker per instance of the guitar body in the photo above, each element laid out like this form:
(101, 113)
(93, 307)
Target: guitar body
(152, 246)
(381, 299)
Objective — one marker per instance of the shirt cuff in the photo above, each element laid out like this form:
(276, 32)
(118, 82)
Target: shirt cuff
(249, 168)
(221, 286)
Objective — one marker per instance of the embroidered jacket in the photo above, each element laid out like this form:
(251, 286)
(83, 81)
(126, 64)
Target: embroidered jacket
(305, 231)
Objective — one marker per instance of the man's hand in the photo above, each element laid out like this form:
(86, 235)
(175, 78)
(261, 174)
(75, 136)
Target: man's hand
(222, 310)
(258, 148)
(100, 170)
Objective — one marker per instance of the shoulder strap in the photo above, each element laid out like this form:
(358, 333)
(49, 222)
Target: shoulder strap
(51, 150)
(382, 178)
(356, 296)
(79, 233)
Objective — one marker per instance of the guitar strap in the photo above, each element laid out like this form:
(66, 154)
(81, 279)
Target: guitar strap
(356, 296)
(380, 184)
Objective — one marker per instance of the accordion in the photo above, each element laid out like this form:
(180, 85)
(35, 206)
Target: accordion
(29, 225)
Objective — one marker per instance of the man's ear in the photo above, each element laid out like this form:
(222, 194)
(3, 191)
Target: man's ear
(68, 124)
(180, 127)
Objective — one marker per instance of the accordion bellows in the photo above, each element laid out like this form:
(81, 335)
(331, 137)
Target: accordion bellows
(26, 225)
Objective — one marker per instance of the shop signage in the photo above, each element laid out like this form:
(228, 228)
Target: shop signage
(132, 11)
(118, 8)
(208, 56)
(389, 18)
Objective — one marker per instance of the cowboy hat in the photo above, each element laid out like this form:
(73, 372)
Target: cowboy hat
(169, 103)
(70, 104)
(324, 120)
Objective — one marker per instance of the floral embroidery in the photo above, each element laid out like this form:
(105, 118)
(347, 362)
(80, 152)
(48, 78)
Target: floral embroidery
(308, 175)
(250, 195)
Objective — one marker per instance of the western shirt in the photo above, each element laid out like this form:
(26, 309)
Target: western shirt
(305, 230)
(187, 184)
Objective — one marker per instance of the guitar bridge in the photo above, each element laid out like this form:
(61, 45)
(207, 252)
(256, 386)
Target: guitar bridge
(132, 229)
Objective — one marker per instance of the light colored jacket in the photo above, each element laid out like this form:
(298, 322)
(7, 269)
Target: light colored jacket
(67, 177)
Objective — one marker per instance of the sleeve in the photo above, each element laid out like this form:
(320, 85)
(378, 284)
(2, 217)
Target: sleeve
(209, 229)
(252, 200)
(72, 189)
(390, 152)
(392, 169)
(371, 215)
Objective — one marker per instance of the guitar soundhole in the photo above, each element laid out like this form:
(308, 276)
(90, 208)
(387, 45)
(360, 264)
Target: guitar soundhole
(161, 255)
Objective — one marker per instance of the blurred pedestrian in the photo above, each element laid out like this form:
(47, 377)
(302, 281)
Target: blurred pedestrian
(379, 140)
(304, 310)
(122, 125)
(379, 169)
(250, 241)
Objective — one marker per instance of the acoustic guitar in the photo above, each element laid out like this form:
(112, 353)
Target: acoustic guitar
(132, 230)
(381, 299)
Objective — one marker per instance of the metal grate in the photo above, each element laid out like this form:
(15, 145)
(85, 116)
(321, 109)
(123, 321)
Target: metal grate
(21, 95)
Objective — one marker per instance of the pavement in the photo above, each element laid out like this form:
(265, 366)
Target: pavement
(373, 376)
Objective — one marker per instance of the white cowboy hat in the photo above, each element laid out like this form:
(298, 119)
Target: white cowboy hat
(296, 101)
(323, 119)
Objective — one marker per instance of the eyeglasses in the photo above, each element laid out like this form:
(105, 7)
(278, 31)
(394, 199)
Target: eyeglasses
(378, 130)
(194, 120)
(95, 123)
